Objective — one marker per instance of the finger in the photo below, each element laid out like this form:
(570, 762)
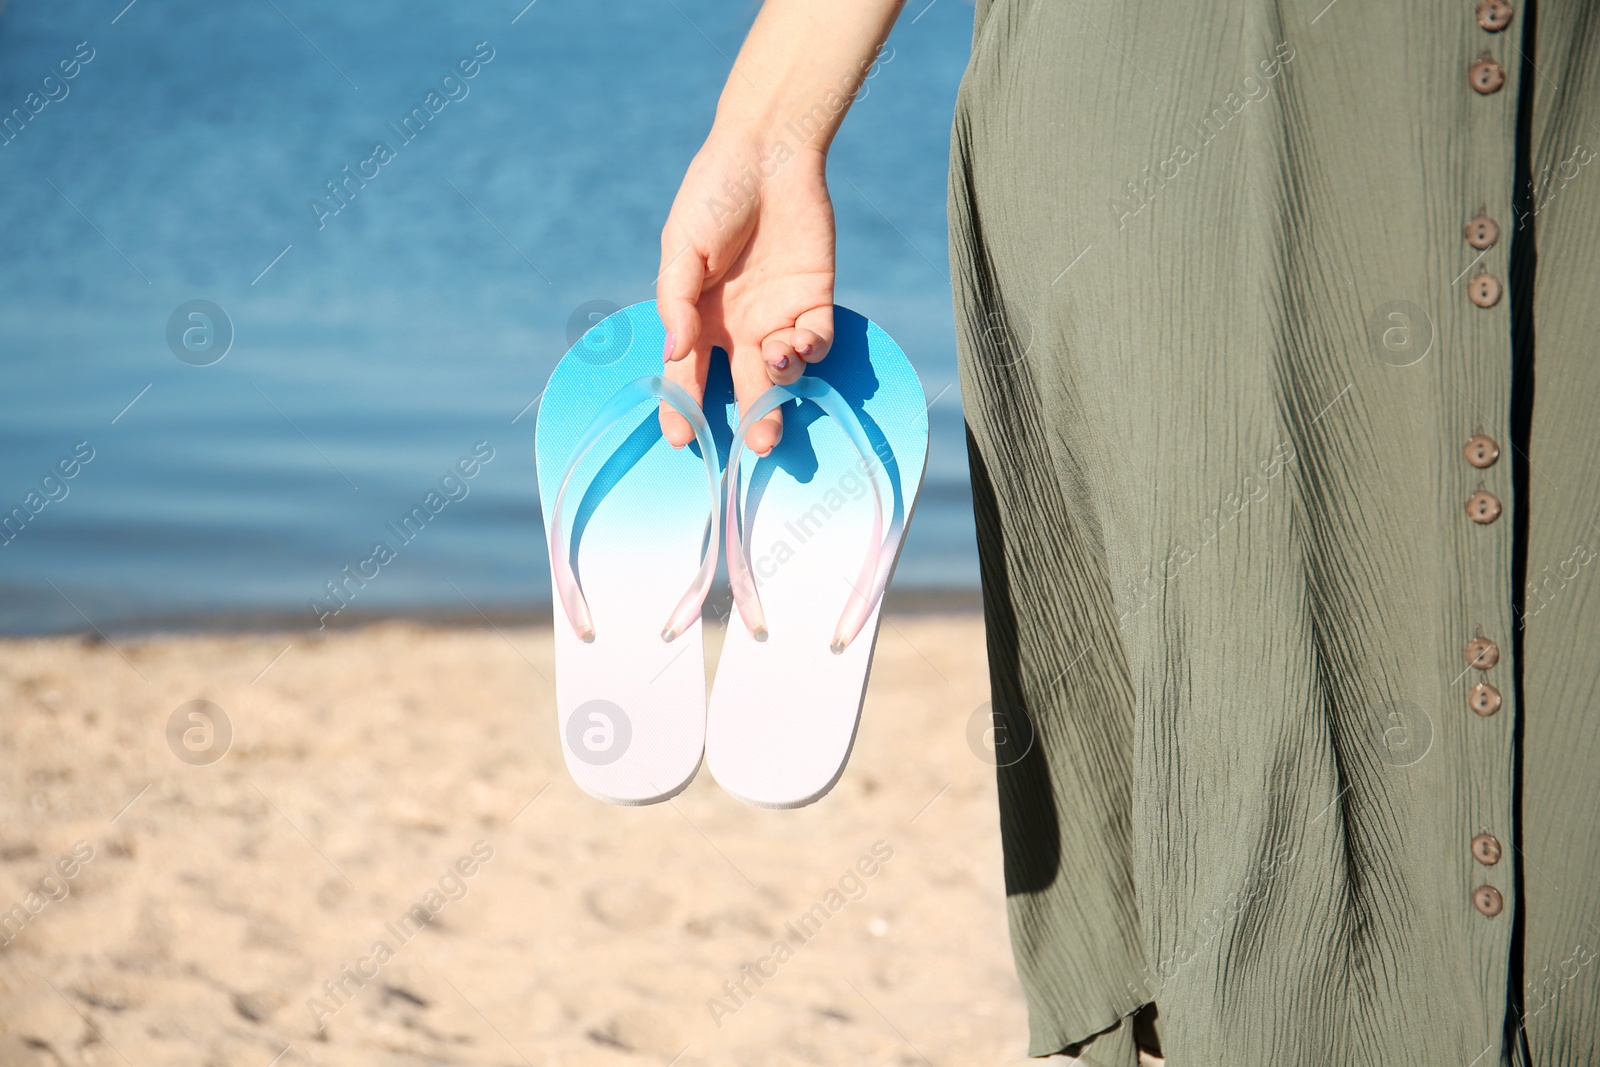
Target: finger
(783, 365)
(749, 382)
(690, 373)
(813, 334)
(683, 272)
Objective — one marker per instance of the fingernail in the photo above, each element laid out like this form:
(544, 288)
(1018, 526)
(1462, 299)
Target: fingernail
(666, 351)
(804, 350)
(778, 364)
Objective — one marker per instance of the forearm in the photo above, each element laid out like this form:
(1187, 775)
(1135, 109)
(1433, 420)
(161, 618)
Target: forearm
(800, 69)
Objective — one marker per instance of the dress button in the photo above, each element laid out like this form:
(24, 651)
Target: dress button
(1484, 290)
(1486, 849)
(1486, 76)
(1482, 232)
(1483, 507)
(1482, 451)
(1484, 699)
(1487, 899)
(1482, 653)
(1494, 15)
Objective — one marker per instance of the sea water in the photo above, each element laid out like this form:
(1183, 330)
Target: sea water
(374, 323)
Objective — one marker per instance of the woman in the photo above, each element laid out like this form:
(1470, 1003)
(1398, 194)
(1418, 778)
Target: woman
(1275, 325)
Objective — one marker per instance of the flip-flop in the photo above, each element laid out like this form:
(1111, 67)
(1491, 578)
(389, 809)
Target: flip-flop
(632, 564)
(823, 521)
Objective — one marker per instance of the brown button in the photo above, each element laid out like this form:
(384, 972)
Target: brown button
(1484, 699)
(1484, 290)
(1482, 653)
(1487, 899)
(1494, 15)
(1486, 76)
(1482, 232)
(1486, 849)
(1483, 507)
(1482, 451)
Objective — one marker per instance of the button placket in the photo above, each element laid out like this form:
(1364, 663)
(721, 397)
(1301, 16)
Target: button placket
(1481, 233)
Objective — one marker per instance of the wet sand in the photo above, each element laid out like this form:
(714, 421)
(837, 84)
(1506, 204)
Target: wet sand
(390, 865)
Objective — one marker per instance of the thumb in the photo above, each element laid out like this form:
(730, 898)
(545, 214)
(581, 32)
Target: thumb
(683, 272)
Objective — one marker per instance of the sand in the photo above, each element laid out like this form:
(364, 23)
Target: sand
(231, 912)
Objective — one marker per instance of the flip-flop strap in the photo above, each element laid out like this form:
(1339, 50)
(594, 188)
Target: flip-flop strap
(867, 589)
(622, 402)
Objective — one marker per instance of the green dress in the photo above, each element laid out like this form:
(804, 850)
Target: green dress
(1278, 327)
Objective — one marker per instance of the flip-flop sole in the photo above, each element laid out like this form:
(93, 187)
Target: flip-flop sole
(784, 711)
(631, 707)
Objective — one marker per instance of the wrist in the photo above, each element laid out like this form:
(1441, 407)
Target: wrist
(767, 146)
(770, 128)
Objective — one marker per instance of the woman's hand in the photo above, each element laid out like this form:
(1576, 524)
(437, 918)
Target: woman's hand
(747, 265)
(747, 251)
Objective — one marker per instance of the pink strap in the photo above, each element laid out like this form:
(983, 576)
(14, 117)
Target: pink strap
(622, 402)
(867, 590)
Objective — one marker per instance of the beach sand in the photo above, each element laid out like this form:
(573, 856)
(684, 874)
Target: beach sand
(225, 913)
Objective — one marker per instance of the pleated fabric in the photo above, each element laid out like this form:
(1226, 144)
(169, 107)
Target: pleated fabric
(1223, 342)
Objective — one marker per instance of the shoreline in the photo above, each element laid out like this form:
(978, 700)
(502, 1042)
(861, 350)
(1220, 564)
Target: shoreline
(911, 603)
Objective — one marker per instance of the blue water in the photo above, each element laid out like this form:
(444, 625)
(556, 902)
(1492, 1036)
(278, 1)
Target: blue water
(419, 321)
